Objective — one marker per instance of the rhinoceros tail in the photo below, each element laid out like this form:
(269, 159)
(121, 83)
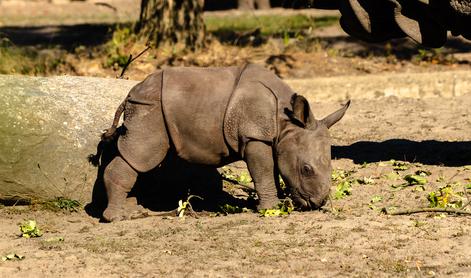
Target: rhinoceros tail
(111, 133)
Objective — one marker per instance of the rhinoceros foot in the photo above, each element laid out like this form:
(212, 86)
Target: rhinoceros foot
(131, 210)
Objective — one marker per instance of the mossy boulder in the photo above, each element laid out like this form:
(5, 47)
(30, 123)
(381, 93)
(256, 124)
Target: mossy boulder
(48, 127)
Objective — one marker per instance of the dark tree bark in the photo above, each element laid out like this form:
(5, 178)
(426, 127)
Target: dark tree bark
(174, 22)
(262, 4)
(246, 4)
(253, 4)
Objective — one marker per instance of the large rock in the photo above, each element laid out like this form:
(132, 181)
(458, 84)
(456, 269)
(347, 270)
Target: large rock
(48, 127)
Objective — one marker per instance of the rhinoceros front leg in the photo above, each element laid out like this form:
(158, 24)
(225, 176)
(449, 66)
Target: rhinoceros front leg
(259, 158)
(119, 179)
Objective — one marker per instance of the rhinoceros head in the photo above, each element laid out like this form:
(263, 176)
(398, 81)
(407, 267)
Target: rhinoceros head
(303, 153)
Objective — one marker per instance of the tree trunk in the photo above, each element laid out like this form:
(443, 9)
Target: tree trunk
(174, 22)
(262, 4)
(245, 4)
(252, 4)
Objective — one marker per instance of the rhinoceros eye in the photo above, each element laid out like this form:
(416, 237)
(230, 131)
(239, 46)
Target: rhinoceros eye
(307, 170)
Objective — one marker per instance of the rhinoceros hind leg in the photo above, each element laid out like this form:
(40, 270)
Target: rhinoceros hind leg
(119, 179)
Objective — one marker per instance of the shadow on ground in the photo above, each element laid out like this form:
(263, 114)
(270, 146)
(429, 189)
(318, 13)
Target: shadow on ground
(162, 188)
(95, 34)
(429, 152)
(63, 35)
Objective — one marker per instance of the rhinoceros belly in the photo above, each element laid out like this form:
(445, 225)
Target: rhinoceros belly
(194, 102)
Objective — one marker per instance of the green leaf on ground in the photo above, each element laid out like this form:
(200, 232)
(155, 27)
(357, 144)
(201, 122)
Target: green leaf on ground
(339, 174)
(183, 206)
(375, 199)
(242, 178)
(400, 165)
(415, 179)
(229, 209)
(366, 180)
(12, 256)
(392, 176)
(29, 229)
(61, 203)
(55, 239)
(423, 173)
(343, 189)
(445, 197)
(283, 208)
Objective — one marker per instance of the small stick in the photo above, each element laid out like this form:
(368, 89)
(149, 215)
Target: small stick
(148, 213)
(420, 210)
(130, 60)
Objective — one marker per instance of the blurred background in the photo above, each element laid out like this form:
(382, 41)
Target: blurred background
(294, 38)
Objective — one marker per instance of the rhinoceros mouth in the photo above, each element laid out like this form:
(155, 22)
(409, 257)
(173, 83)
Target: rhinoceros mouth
(305, 201)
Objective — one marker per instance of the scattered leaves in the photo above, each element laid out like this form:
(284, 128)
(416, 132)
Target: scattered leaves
(445, 197)
(229, 209)
(284, 208)
(242, 178)
(339, 174)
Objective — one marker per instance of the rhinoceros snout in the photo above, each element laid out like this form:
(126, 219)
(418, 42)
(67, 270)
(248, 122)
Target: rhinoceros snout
(316, 203)
(311, 203)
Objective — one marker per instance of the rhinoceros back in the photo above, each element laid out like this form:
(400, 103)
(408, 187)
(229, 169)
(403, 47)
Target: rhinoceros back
(194, 102)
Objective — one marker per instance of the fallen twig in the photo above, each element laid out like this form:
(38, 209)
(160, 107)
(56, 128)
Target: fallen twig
(420, 210)
(130, 60)
(149, 213)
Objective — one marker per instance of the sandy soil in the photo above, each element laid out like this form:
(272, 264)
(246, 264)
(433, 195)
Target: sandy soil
(351, 237)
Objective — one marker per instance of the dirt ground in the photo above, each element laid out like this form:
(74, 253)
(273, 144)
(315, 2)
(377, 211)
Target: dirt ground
(350, 237)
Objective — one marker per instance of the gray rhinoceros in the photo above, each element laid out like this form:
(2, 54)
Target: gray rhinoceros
(215, 116)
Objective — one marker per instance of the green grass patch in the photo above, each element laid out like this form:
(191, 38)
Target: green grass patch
(62, 204)
(270, 25)
(28, 60)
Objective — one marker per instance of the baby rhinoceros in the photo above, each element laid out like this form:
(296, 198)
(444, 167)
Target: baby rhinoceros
(215, 116)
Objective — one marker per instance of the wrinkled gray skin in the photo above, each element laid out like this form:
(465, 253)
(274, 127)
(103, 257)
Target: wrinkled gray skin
(215, 116)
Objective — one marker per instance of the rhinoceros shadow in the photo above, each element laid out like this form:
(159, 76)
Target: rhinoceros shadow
(430, 152)
(160, 189)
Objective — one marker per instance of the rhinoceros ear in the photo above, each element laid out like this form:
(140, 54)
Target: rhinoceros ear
(301, 114)
(336, 116)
